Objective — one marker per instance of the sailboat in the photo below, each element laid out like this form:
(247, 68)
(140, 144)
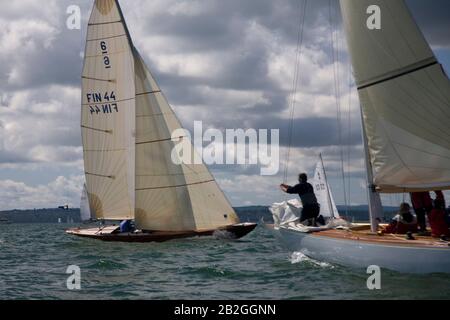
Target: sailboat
(127, 127)
(405, 101)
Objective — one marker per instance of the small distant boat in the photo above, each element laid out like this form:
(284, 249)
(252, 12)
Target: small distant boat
(4, 221)
(405, 99)
(127, 127)
(59, 220)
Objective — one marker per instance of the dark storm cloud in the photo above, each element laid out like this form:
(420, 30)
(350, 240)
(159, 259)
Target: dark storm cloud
(434, 19)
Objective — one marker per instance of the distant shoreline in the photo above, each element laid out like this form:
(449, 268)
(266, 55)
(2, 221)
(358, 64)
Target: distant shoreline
(246, 214)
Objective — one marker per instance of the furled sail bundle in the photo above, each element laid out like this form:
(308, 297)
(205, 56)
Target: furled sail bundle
(404, 94)
(127, 136)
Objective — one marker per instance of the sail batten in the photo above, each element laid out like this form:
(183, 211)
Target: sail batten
(399, 73)
(404, 95)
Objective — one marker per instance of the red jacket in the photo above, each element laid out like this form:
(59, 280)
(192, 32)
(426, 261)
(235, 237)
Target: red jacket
(399, 226)
(438, 224)
(421, 200)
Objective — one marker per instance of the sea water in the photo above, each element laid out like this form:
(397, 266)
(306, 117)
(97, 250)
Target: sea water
(34, 259)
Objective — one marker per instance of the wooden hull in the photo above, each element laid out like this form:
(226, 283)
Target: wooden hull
(110, 233)
(361, 249)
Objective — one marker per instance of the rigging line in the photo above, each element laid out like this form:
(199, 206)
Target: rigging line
(349, 125)
(294, 85)
(337, 92)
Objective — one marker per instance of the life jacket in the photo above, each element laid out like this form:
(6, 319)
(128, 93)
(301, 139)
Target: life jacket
(439, 227)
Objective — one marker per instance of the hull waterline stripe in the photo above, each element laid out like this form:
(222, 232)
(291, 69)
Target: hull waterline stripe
(398, 75)
(176, 186)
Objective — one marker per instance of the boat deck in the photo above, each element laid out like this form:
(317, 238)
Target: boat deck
(386, 239)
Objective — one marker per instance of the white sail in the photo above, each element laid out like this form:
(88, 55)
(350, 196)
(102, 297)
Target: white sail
(85, 209)
(405, 97)
(170, 196)
(323, 193)
(108, 114)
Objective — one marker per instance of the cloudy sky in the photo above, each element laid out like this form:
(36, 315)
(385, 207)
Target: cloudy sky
(227, 63)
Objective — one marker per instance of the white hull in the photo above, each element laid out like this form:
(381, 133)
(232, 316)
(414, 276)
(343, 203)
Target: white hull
(354, 253)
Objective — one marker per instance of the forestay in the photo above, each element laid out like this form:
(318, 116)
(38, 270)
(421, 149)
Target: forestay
(405, 98)
(108, 114)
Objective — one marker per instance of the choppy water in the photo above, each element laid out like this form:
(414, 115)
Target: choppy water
(34, 258)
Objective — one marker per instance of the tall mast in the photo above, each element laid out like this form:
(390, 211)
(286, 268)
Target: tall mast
(330, 206)
(375, 206)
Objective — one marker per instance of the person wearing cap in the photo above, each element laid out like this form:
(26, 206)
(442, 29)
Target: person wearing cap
(403, 222)
(311, 208)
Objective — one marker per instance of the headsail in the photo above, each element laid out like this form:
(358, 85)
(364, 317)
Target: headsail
(85, 209)
(405, 98)
(322, 190)
(170, 196)
(108, 114)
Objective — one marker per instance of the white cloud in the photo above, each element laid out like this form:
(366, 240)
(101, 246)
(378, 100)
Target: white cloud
(63, 190)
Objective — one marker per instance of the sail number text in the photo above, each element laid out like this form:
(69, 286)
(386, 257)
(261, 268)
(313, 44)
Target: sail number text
(102, 103)
(105, 53)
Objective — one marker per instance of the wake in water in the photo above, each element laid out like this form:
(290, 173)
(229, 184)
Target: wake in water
(298, 257)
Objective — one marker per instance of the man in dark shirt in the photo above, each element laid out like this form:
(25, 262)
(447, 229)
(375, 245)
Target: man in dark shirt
(305, 190)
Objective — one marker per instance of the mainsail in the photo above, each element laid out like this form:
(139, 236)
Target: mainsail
(108, 114)
(323, 193)
(128, 148)
(405, 98)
